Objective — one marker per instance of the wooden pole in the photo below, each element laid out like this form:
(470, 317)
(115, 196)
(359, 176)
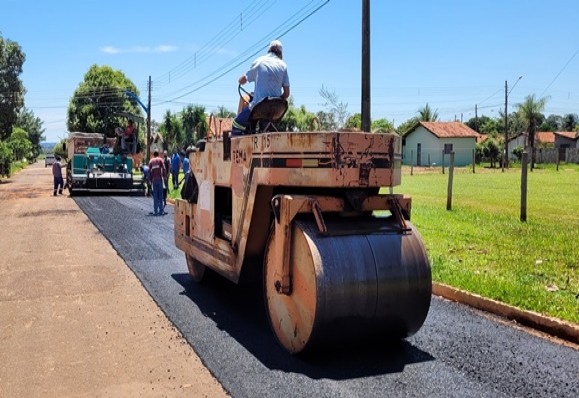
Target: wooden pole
(366, 118)
(505, 162)
(149, 124)
(443, 162)
(450, 177)
(524, 162)
(473, 160)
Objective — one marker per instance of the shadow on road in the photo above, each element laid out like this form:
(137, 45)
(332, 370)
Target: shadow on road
(239, 310)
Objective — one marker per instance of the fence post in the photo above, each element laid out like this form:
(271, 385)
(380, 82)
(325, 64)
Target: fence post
(443, 161)
(524, 161)
(557, 160)
(473, 160)
(429, 164)
(450, 176)
(412, 162)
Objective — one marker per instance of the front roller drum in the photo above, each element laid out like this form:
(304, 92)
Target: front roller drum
(348, 287)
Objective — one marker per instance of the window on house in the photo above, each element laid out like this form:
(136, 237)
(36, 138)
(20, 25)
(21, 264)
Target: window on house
(448, 148)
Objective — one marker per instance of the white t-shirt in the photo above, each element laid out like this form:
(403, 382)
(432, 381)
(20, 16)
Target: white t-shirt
(269, 74)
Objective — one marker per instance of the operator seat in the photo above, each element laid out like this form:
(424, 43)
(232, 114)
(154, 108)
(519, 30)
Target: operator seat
(266, 113)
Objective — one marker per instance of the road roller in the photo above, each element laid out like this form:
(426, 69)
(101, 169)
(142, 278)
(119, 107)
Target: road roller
(341, 259)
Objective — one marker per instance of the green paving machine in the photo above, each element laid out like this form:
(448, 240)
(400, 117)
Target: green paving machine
(95, 166)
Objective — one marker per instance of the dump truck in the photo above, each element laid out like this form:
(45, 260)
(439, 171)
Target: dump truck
(340, 259)
(96, 165)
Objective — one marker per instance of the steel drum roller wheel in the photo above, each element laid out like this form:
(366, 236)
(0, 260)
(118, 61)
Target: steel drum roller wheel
(348, 287)
(196, 269)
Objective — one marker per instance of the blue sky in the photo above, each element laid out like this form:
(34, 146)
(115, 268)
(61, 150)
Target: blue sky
(451, 54)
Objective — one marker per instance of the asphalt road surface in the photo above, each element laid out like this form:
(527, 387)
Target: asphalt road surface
(458, 352)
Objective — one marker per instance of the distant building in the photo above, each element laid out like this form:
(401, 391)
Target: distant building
(543, 139)
(427, 142)
(566, 139)
(218, 125)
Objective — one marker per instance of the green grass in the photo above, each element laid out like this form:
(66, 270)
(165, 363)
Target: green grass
(481, 245)
(17, 166)
(176, 194)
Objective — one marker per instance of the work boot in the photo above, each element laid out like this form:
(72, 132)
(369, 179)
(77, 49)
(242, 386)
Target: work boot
(60, 192)
(54, 193)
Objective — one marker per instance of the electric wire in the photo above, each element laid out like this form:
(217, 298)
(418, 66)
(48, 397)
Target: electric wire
(245, 56)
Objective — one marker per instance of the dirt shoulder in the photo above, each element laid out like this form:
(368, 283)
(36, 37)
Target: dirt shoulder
(75, 321)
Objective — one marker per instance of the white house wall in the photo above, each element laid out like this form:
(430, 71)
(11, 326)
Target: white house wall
(432, 147)
(520, 140)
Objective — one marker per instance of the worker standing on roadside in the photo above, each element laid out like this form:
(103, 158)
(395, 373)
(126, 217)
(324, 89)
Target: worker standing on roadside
(57, 176)
(175, 167)
(167, 163)
(156, 178)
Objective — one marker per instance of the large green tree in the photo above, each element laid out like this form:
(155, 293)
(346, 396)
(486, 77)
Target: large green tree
(552, 123)
(477, 123)
(326, 121)
(11, 88)
(20, 144)
(383, 126)
(298, 119)
(100, 99)
(171, 129)
(531, 112)
(33, 126)
(570, 122)
(188, 125)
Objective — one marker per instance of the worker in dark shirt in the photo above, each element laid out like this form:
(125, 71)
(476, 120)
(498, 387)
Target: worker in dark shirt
(156, 177)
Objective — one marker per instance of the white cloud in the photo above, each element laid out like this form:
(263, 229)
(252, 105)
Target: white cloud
(139, 49)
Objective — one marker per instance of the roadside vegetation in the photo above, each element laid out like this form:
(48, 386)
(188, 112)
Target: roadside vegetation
(482, 247)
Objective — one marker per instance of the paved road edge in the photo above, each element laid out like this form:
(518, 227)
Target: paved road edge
(553, 326)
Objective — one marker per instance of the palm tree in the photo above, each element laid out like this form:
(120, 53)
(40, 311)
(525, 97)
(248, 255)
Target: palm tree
(427, 114)
(531, 111)
(188, 123)
(171, 130)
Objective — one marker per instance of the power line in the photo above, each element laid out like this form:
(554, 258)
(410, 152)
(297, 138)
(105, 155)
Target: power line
(243, 57)
(561, 71)
(223, 37)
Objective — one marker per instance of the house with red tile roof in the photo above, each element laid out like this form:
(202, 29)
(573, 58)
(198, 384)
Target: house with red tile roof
(428, 142)
(543, 139)
(218, 125)
(566, 139)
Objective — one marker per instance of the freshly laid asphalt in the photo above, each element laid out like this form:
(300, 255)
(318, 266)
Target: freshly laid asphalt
(458, 352)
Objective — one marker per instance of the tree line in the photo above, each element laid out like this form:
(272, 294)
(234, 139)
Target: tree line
(21, 132)
(106, 98)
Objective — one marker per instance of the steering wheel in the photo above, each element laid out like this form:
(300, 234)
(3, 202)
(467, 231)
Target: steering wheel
(243, 91)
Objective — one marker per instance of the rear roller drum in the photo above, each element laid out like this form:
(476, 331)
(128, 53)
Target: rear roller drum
(348, 287)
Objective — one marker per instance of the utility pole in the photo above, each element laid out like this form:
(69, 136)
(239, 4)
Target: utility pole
(366, 118)
(506, 154)
(149, 123)
(476, 118)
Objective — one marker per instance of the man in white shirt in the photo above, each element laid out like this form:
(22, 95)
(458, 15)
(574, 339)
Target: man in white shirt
(269, 73)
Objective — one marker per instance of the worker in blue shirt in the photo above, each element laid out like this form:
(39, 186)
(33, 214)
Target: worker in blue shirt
(175, 167)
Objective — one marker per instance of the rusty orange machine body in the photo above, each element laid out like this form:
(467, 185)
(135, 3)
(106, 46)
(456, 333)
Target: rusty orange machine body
(340, 260)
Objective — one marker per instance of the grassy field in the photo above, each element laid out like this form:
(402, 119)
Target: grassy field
(481, 246)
